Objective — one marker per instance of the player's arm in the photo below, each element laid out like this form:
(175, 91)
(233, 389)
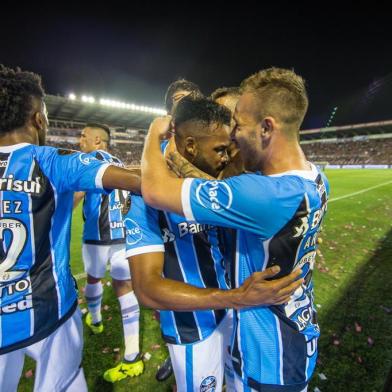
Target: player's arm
(159, 188)
(78, 197)
(116, 177)
(74, 171)
(157, 292)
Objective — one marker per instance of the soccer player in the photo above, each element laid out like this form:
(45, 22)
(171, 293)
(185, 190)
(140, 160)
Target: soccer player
(228, 96)
(175, 92)
(39, 316)
(179, 89)
(103, 241)
(277, 214)
(178, 266)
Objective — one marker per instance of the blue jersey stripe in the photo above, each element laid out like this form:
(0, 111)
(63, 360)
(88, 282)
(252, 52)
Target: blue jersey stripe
(189, 368)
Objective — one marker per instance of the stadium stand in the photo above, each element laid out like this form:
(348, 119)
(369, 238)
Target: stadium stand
(359, 144)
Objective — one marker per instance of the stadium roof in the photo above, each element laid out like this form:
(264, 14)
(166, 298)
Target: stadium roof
(379, 127)
(114, 114)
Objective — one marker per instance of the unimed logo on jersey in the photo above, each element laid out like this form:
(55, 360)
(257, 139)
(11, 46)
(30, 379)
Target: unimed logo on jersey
(208, 384)
(133, 231)
(214, 195)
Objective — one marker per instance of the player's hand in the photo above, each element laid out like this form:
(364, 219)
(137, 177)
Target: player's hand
(183, 168)
(257, 291)
(162, 126)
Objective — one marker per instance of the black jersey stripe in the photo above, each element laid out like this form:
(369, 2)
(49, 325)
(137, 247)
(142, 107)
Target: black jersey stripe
(43, 284)
(185, 321)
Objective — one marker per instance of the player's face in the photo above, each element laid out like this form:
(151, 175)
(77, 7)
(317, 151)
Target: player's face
(212, 150)
(230, 102)
(247, 132)
(87, 140)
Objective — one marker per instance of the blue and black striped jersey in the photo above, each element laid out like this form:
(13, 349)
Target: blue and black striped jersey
(102, 213)
(37, 290)
(192, 255)
(277, 219)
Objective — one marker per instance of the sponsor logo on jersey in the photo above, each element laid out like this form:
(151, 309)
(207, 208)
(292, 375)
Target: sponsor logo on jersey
(208, 384)
(218, 195)
(133, 231)
(23, 304)
(167, 235)
(26, 186)
(185, 228)
(116, 206)
(117, 225)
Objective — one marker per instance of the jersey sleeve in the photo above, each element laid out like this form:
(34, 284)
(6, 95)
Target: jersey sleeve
(71, 170)
(143, 234)
(250, 202)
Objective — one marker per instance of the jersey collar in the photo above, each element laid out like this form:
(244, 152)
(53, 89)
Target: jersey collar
(13, 147)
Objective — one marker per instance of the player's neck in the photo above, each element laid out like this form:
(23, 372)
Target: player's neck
(18, 136)
(287, 157)
(100, 148)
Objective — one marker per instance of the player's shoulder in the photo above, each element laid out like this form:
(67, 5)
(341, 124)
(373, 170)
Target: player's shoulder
(256, 183)
(106, 156)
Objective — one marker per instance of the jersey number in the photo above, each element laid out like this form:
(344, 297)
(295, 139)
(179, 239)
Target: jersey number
(19, 235)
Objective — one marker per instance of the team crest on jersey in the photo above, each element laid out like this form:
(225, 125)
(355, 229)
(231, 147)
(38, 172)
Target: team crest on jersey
(208, 384)
(133, 231)
(217, 195)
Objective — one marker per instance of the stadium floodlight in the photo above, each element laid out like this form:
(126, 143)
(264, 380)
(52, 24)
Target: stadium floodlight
(72, 96)
(88, 99)
(123, 105)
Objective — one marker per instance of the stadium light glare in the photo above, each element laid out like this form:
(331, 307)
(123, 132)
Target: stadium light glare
(72, 96)
(88, 99)
(124, 105)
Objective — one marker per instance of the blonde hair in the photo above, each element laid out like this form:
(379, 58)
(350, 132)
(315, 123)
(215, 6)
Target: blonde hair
(282, 94)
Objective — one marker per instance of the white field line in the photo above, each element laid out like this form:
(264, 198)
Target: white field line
(359, 192)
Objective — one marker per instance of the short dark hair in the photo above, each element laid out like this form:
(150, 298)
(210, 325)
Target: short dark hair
(201, 110)
(100, 126)
(17, 88)
(178, 85)
(224, 91)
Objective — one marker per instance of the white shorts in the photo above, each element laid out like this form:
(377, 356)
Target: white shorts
(58, 359)
(201, 366)
(96, 257)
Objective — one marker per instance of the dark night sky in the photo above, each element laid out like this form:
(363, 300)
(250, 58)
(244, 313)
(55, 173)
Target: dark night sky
(133, 54)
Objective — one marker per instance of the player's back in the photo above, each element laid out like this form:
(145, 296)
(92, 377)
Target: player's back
(102, 213)
(37, 290)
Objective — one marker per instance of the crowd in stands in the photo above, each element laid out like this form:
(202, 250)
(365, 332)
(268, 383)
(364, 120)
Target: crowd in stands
(129, 153)
(367, 152)
(372, 151)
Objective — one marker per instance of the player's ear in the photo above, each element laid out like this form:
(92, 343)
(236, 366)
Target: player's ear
(267, 126)
(39, 120)
(190, 146)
